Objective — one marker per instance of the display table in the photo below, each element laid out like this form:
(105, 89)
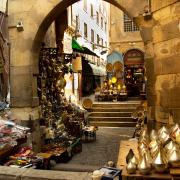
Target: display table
(151, 176)
(4, 153)
(125, 146)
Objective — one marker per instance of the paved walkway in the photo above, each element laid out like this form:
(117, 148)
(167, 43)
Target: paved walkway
(96, 154)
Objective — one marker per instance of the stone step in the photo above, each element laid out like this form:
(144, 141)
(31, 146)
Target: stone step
(74, 167)
(110, 114)
(115, 105)
(113, 124)
(104, 109)
(111, 119)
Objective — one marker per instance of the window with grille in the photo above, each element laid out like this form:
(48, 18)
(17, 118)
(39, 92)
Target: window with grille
(85, 5)
(85, 30)
(102, 22)
(105, 44)
(105, 26)
(77, 23)
(129, 25)
(92, 10)
(97, 17)
(98, 39)
(92, 36)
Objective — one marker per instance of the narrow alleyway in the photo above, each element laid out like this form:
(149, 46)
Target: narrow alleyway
(96, 154)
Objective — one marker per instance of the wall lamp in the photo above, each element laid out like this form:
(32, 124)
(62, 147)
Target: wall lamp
(19, 26)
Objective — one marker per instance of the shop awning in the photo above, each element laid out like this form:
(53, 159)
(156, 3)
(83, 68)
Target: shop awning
(97, 71)
(88, 51)
(81, 49)
(76, 46)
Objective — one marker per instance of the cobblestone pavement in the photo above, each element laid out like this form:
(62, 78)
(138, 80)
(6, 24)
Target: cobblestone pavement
(104, 149)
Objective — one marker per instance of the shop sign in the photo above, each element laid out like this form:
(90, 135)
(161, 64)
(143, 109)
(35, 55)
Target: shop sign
(67, 44)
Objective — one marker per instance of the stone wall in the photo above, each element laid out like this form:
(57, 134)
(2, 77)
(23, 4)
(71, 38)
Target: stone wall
(166, 45)
(119, 40)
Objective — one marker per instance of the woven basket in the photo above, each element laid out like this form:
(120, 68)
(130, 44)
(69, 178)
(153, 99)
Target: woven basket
(87, 103)
(117, 66)
(109, 67)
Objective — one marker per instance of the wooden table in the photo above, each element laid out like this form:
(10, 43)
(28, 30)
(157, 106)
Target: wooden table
(151, 176)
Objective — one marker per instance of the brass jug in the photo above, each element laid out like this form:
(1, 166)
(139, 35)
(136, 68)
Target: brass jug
(163, 137)
(159, 162)
(153, 135)
(162, 129)
(131, 167)
(134, 160)
(144, 166)
(174, 158)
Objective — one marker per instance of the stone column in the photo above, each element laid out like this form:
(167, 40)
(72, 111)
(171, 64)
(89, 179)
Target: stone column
(23, 95)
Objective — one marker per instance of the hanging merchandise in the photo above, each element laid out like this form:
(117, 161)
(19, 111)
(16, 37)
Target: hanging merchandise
(62, 119)
(109, 67)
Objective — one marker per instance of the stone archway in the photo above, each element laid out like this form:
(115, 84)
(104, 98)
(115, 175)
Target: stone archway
(132, 8)
(25, 44)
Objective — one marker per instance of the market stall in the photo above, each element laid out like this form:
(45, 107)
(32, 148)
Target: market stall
(112, 90)
(62, 120)
(15, 150)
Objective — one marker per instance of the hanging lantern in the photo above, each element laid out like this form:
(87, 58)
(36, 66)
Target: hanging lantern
(77, 64)
(114, 80)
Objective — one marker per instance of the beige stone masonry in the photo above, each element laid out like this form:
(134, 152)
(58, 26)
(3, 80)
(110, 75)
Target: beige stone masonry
(168, 65)
(9, 173)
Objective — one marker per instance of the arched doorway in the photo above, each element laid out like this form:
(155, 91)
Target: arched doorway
(134, 72)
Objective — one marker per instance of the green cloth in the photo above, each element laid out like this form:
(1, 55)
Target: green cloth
(76, 45)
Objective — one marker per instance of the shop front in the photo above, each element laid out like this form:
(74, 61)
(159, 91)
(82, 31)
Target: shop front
(92, 78)
(113, 88)
(134, 72)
